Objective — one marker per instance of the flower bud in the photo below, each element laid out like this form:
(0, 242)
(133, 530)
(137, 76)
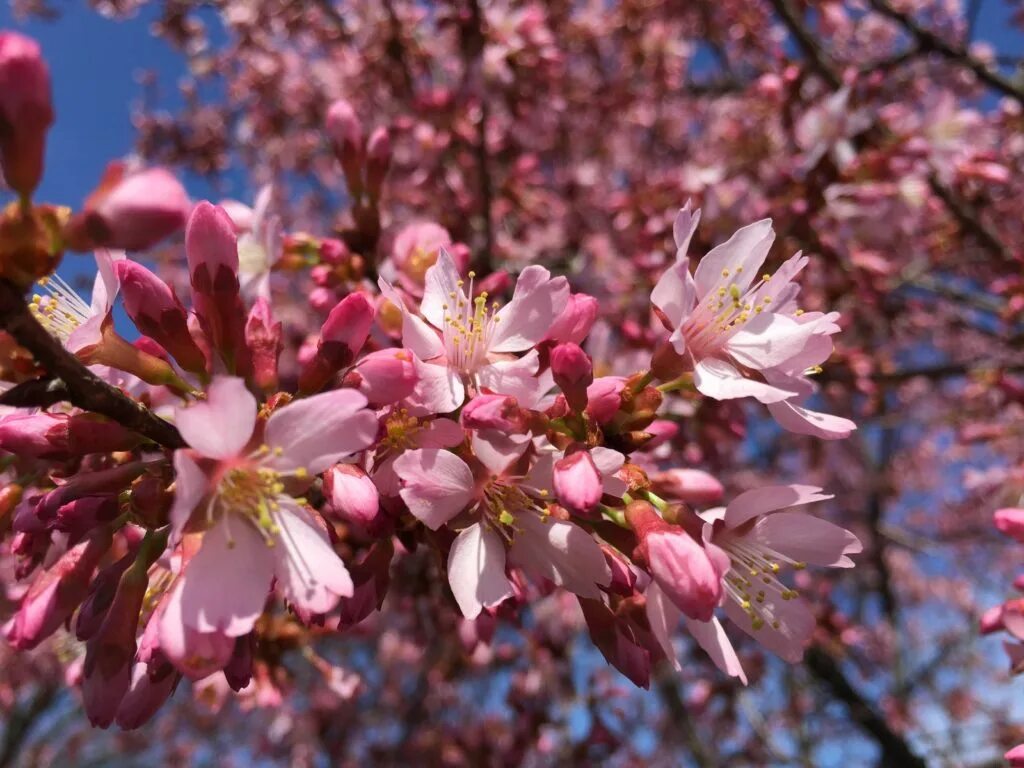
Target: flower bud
(688, 571)
(501, 412)
(573, 372)
(151, 685)
(130, 210)
(263, 337)
(575, 321)
(346, 135)
(39, 435)
(156, 311)
(1009, 521)
(378, 161)
(1015, 757)
(31, 246)
(617, 642)
(57, 592)
(351, 495)
(78, 517)
(693, 486)
(604, 398)
(577, 481)
(212, 250)
(84, 484)
(623, 576)
(26, 111)
(238, 671)
(371, 577)
(110, 652)
(386, 376)
(101, 596)
(341, 337)
(991, 621)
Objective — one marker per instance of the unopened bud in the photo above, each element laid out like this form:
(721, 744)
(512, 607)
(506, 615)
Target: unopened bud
(351, 495)
(26, 111)
(573, 372)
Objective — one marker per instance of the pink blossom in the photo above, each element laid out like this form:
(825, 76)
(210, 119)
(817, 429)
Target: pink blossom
(26, 111)
(259, 242)
(254, 531)
(472, 344)
(745, 338)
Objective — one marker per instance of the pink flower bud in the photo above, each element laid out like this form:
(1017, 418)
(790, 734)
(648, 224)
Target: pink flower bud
(263, 337)
(1009, 521)
(576, 319)
(156, 311)
(130, 211)
(346, 135)
(501, 412)
(26, 111)
(378, 160)
(85, 484)
(617, 642)
(623, 576)
(111, 651)
(40, 435)
(386, 376)
(78, 517)
(351, 495)
(693, 486)
(1015, 757)
(371, 577)
(57, 592)
(212, 251)
(101, 596)
(341, 337)
(577, 481)
(661, 431)
(416, 248)
(603, 398)
(238, 671)
(688, 571)
(151, 685)
(573, 372)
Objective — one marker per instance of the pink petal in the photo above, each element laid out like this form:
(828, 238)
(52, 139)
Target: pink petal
(802, 421)
(720, 380)
(497, 450)
(419, 337)
(441, 288)
(221, 425)
(768, 499)
(316, 432)
(536, 304)
(796, 625)
(440, 433)
(224, 586)
(88, 334)
(516, 378)
(562, 553)
(104, 288)
(807, 538)
(683, 228)
(195, 654)
(663, 617)
(476, 570)
(768, 340)
(711, 636)
(190, 485)
(438, 390)
(747, 248)
(437, 485)
(309, 571)
(675, 294)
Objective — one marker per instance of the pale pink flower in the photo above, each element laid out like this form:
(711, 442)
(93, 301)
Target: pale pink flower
(828, 127)
(761, 541)
(254, 530)
(743, 333)
(471, 343)
(67, 316)
(511, 523)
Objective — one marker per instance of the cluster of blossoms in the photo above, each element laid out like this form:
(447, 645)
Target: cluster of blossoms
(435, 408)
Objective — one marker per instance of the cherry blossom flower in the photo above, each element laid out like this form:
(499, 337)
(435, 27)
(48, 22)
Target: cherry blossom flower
(259, 242)
(254, 530)
(473, 344)
(743, 336)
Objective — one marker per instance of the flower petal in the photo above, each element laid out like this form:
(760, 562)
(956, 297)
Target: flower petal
(711, 636)
(536, 304)
(316, 432)
(220, 426)
(795, 626)
(437, 485)
(807, 538)
(516, 378)
(720, 380)
(225, 584)
(746, 249)
(309, 571)
(675, 294)
(803, 421)
(768, 340)
(476, 570)
(190, 485)
(760, 501)
(439, 389)
(441, 288)
(562, 553)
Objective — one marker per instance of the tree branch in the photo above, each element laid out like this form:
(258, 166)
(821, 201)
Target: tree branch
(82, 387)
(808, 44)
(928, 41)
(895, 749)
